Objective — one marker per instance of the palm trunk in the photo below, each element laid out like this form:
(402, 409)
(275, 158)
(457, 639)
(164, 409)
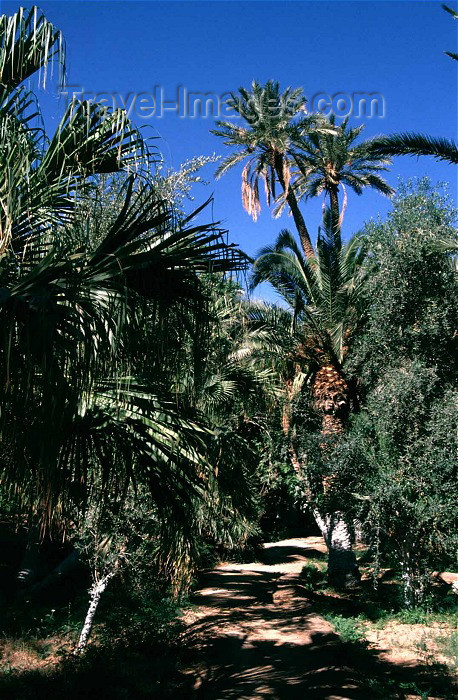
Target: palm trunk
(331, 394)
(332, 398)
(67, 565)
(334, 197)
(358, 530)
(415, 582)
(343, 569)
(337, 215)
(299, 221)
(29, 564)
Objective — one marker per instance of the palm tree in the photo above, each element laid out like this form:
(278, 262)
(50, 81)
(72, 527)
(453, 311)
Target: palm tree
(272, 124)
(330, 161)
(323, 301)
(41, 177)
(80, 415)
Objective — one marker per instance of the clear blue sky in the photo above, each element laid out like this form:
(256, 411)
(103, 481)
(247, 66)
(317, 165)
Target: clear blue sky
(390, 47)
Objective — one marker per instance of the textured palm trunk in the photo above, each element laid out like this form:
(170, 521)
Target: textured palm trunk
(337, 212)
(334, 197)
(299, 221)
(332, 397)
(343, 569)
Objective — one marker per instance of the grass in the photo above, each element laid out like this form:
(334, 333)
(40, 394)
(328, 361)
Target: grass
(418, 616)
(132, 652)
(371, 619)
(312, 576)
(349, 629)
(389, 688)
(448, 646)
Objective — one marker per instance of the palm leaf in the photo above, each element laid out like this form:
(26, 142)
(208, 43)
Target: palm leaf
(416, 145)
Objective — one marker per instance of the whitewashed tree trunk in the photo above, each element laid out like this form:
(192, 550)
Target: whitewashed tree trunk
(95, 592)
(358, 529)
(343, 571)
(415, 581)
(342, 565)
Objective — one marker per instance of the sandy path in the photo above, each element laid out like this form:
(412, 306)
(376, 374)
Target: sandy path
(253, 636)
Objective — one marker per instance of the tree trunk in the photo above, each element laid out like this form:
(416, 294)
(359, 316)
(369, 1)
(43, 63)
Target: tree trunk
(337, 215)
(95, 593)
(415, 582)
(334, 197)
(299, 221)
(332, 399)
(358, 529)
(331, 393)
(342, 565)
(28, 569)
(343, 569)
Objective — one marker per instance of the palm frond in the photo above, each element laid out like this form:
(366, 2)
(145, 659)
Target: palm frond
(416, 145)
(29, 43)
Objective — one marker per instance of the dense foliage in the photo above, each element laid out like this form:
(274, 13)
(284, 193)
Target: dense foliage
(151, 415)
(403, 445)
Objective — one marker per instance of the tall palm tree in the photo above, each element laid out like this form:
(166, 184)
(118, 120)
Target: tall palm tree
(272, 123)
(330, 161)
(323, 301)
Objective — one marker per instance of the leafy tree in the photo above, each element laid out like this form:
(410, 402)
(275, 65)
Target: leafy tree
(175, 186)
(400, 457)
(401, 449)
(411, 285)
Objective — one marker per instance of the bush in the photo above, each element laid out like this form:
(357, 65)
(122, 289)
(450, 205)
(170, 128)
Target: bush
(312, 578)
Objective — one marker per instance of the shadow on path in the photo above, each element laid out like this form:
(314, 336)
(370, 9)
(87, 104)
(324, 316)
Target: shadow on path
(255, 635)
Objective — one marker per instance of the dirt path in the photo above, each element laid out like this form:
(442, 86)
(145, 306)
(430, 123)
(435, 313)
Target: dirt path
(254, 636)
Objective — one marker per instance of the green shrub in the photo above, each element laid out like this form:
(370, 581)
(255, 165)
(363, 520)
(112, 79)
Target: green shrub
(349, 629)
(312, 578)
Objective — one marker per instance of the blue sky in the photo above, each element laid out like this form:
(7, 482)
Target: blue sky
(389, 47)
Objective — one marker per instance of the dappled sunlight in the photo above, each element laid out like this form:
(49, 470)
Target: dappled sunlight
(167, 441)
(255, 633)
